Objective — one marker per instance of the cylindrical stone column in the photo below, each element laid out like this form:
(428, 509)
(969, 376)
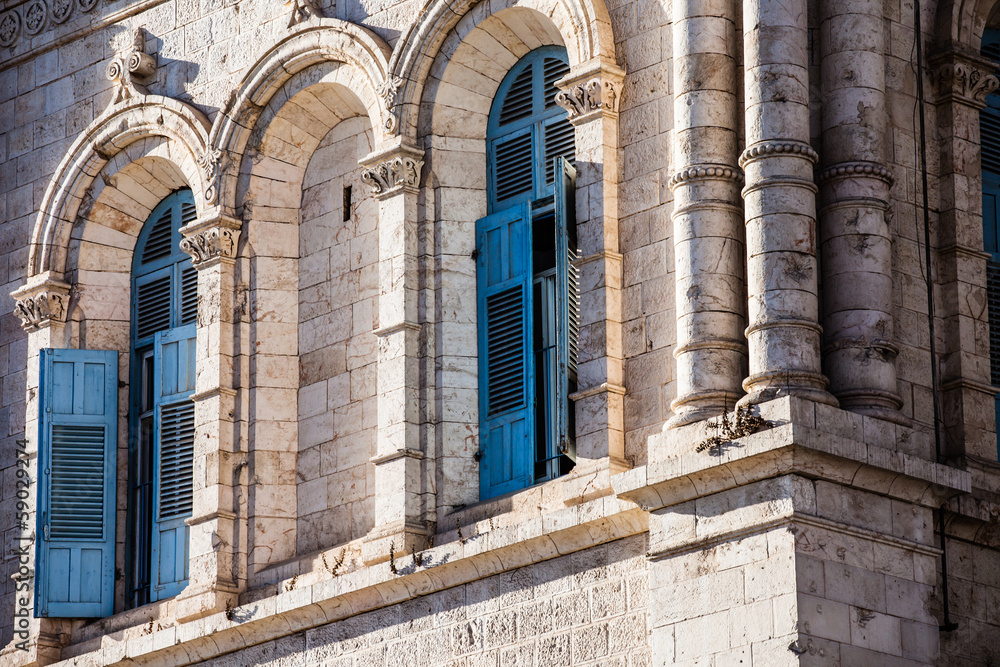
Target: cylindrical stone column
(858, 353)
(780, 202)
(709, 248)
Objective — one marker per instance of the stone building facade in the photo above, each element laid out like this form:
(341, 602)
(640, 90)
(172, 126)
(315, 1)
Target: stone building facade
(769, 211)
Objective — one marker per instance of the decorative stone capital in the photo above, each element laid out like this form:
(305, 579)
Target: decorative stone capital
(40, 304)
(594, 92)
(393, 169)
(964, 78)
(211, 240)
(130, 69)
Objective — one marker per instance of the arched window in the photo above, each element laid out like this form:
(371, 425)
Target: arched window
(989, 132)
(527, 288)
(161, 425)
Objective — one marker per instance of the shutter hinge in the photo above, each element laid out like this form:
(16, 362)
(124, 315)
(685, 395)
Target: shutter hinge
(475, 254)
(478, 456)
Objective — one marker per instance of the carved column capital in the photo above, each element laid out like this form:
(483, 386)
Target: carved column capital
(964, 78)
(211, 240)
(129, 70)
(592, 93)
(393, 169)
(39, 304)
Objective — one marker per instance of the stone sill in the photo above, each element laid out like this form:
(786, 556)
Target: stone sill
(315, 597)
(807, 439)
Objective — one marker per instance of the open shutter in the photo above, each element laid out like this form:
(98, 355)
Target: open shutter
(78, 435)
(506, 366)
(567, 304)
(174, 366)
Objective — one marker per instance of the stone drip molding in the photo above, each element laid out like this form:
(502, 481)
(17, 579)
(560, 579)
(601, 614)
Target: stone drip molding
(706, 172)
(130, 69)
(965, 80)
(40, 304)
(394, 174)
(779, 149)
(858, 169)
(210, 240)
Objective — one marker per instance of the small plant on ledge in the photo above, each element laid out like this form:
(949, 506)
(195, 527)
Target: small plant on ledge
(726, 432)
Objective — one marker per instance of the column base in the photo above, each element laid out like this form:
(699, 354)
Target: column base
(763, 387)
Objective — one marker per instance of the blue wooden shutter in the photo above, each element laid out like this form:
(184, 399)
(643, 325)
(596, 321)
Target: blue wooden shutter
(567, 303)
(506, 366)
(174, 368)
(989, 132)
(78, 436)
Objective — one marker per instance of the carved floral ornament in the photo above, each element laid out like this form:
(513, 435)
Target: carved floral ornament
(30, 18)
(965, 81)
(393, 174)
(38, 306)
(594, 95)
(211, 240)
(128, 70)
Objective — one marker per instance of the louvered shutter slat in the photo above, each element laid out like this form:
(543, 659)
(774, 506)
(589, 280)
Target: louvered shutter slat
(77, 455)
(567, 304)
(506, 362)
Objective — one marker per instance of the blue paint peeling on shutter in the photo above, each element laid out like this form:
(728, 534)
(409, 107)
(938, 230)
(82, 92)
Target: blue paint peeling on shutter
(78, 436)
(506, 364)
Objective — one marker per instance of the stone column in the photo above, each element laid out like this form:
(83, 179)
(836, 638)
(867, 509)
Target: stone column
(42, 306)
(780, 202)
(859, 355)
(709, 247)
(590, 95)
(393, 173)
(962, 82)
(218, 538)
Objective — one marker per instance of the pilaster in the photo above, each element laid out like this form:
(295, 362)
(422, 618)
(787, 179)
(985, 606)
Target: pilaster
(401, 498)
(962, 81)
(218, 538)
(709, 245)
(590, 94)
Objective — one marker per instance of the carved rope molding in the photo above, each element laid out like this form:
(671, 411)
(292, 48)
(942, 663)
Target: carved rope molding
(38, 306)
(856, 170)
(209, 240)
(586, 98)
(706, 172)
(393, 174)
(965, 82)
(129, 69)
(778, 149)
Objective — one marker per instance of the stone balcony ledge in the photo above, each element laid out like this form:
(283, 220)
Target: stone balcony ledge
(804, 438)
(312, 596)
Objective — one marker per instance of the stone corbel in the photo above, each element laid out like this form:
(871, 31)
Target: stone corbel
(210, 240)
(593, 92)
(129, 70)
(41, 303)
(393, 169)
(963, 77)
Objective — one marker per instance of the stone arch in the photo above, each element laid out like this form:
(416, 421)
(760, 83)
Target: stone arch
(310, 268)
(364, 70)
(180, 133)
(960, 23)
(583, 25)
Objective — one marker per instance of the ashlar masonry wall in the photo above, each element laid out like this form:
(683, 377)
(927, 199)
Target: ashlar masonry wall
(338, 309)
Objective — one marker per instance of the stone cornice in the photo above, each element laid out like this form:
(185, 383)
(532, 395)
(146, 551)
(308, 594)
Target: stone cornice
(962, 77)
(799, 442)
(210, 240)
(41, 302)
